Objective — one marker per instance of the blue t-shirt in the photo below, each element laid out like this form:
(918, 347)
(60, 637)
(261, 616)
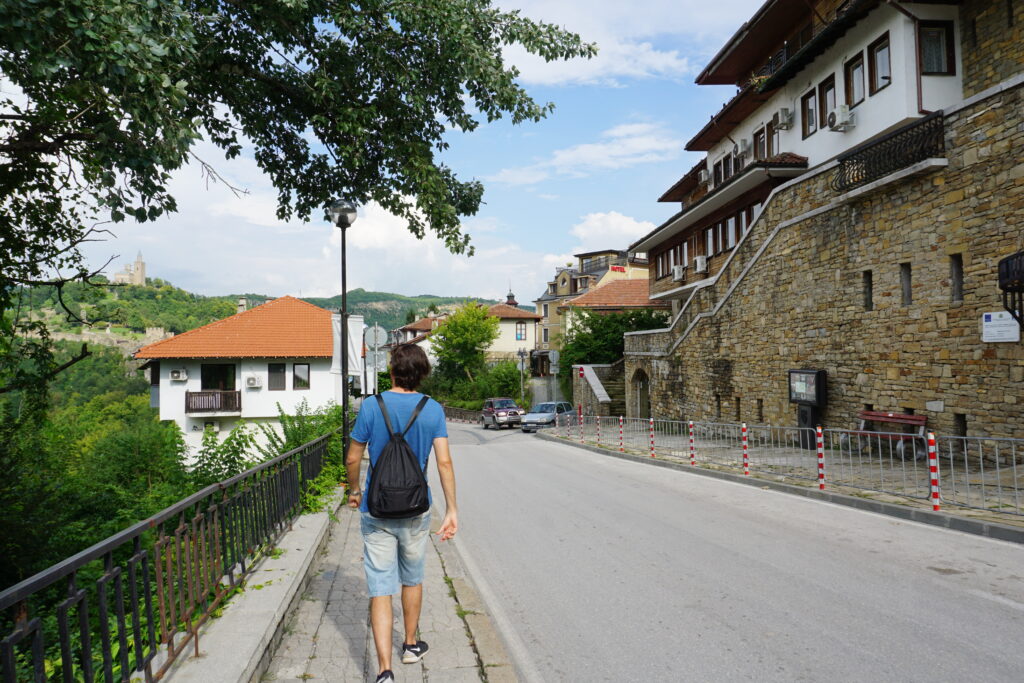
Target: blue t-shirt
(370, 428)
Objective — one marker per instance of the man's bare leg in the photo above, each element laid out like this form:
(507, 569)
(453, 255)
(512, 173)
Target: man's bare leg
(412, 602)
(381, 619)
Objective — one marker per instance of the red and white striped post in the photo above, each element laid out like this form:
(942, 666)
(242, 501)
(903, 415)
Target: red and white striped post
(693, 452)
(652, 436)
(821, 458)
(580, 417)
(598, 418)
(746, 458)
(621, 449)
(933, 470)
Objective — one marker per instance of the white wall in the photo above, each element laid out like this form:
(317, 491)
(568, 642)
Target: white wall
(257, 404)
(507, 342)
(884, 110)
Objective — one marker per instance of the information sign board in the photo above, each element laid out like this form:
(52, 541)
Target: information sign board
(999, 326)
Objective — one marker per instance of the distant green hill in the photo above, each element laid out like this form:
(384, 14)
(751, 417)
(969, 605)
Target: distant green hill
(130, 309)
(390, 310)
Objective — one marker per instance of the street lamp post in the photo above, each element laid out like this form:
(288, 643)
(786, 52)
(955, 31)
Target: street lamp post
(343, 214)
(522, 368)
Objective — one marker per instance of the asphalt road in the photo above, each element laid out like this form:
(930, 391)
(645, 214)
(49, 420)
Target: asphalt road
(597, 569)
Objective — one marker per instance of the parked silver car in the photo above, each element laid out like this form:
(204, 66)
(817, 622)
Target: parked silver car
(544, 415)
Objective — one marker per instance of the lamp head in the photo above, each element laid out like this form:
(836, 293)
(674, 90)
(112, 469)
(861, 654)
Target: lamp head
(342, 213)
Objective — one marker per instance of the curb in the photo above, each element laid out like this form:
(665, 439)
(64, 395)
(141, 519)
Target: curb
(259, 611)
(994, 530)
(494, 662)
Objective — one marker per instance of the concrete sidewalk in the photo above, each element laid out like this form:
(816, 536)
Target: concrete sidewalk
(327, 636)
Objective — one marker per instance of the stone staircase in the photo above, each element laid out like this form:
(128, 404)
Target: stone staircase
(616, 389)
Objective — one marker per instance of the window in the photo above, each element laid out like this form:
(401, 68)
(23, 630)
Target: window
(685, 251)
(938, 56)
(760, 145)
(760, 410)
(853, 74)
(742, 218)
(730, 231)
(727, 167)
(300, 376)
(827, 97)
(520, 331)
(275, 376)
(959, 424)
(809, 113)
(545, 310)
(869, 291)
(544, 335)
(217, 377)
(905, 284)
(773, 141)
(718, 173)
(956, 277)
(709, 241)
(880, 74)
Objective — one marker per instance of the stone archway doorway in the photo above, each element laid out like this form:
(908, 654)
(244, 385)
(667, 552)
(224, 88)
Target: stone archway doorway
(641, 394)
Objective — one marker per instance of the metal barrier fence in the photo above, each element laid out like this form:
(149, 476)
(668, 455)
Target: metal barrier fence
(975, 472)
(129, 605)
(461, 415)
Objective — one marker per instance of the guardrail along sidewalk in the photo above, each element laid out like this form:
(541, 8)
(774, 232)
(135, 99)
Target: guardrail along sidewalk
(968, 472)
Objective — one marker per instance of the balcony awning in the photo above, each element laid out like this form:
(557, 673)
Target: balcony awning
(781, 166)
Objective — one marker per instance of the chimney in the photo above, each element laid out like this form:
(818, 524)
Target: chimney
(243, 304)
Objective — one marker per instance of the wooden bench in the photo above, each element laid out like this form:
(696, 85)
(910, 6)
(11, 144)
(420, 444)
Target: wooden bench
(877, 417)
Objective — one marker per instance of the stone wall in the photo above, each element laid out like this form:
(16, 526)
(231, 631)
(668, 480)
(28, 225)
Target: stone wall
(992, 44)
(802, 303)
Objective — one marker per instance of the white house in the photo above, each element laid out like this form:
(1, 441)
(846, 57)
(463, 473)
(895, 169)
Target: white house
(517, 331)
(244, 366)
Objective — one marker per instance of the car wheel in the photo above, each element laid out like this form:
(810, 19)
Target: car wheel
(483, 422)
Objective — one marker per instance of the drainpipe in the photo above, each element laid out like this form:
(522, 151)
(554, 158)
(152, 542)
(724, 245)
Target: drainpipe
(917, 52)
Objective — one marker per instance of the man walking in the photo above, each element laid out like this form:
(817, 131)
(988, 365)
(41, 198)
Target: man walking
(394, 550)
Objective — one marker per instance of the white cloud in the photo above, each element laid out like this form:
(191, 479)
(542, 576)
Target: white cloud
(619, 147)
(221, 244)
(652, 39)
(610, 230)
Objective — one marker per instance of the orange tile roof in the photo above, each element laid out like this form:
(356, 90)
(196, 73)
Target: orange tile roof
(618, 294)
(423, 324)
(282, 328)
(506, 311)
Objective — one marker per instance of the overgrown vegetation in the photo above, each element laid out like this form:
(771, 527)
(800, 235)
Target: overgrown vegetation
(597, 338)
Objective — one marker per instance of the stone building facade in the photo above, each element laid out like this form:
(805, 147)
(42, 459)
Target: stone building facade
(884, 287)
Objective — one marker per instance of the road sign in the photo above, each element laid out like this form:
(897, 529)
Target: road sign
(375, 336)
(553, 357)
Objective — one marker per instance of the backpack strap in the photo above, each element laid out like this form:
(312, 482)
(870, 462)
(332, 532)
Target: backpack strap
(384, 412)
(415, 413)
(412, 418)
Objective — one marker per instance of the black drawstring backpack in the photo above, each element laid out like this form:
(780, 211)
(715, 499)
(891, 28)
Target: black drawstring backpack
(398, 486)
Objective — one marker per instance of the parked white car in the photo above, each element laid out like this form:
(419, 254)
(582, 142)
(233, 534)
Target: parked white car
(544, 415)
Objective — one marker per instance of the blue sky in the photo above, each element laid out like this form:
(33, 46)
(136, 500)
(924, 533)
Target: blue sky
(586, 178)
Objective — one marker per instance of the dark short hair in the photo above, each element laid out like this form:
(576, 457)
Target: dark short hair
(409, 366)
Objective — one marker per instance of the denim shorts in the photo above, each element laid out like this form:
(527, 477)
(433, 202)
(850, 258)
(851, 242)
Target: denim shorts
(394, 551)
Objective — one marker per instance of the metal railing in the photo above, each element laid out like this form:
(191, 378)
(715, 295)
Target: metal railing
(920, 140)
(129, 605)
(213, 401)
(975, 472)
(461, 414)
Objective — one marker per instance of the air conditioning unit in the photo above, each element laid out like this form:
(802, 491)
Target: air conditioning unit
(253, 382)
(213, 426)
(840, 118)
(179, 375)
(741, 148)
(782, 119)
(678, 273)
(700, 264)
(703, 176)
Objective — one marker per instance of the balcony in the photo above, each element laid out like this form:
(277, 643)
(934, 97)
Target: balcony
(207, 402)
(920, 140)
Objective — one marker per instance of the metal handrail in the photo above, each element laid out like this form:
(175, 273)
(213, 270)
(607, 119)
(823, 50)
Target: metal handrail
(188, 571)
(920, 140)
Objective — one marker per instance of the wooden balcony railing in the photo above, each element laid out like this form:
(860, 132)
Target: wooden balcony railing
(213, 402)
(922, 139)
